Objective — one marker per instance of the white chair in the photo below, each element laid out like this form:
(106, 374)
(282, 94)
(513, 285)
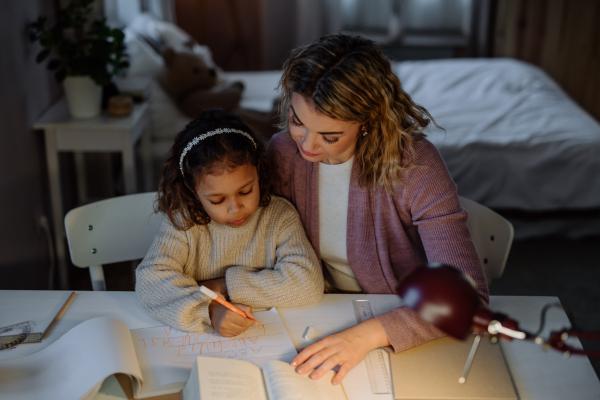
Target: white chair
(109, 231)
(492, 235)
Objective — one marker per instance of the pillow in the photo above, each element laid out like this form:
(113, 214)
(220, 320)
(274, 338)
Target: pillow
(158, 35)
(175, 37)
(143, 60)
(144, 25)
(172, 35)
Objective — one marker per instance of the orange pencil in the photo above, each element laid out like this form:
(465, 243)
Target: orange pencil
(227, 304)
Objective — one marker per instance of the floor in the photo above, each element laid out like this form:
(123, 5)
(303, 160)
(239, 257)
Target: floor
(568, 269)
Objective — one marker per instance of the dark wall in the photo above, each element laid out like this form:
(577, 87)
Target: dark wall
(560, 36)
(26, 91)
(231, 29)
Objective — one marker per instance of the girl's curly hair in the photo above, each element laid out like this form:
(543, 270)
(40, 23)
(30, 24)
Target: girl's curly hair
(177, 196)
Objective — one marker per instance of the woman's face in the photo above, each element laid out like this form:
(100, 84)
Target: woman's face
(231, 197)
(319, 137)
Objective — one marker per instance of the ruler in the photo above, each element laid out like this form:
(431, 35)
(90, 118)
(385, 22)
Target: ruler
(32, 338)
(379, 375)
(7, 342)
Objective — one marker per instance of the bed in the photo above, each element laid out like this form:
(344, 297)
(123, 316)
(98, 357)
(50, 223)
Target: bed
(512, 138)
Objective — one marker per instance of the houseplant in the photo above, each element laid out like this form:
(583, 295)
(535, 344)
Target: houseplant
(85, 54)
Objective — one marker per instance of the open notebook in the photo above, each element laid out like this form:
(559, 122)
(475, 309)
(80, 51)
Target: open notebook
(226, 379)
(158, 360)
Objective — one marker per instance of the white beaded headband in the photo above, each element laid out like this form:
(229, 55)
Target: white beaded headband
(195, 141)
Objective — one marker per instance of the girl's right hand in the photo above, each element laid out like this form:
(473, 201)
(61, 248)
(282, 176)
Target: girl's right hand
(226, 322)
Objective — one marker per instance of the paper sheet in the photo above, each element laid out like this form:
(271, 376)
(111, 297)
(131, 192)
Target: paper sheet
(74, 365)
(167, 355)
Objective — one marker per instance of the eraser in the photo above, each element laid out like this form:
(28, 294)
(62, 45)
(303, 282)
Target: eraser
(308, 333)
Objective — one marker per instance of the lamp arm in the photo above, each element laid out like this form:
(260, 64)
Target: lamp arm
(498, 324)
(556, 340)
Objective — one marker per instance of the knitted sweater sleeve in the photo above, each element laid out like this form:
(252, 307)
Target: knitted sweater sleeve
(296, 277)
(164, 290)
(430, 197)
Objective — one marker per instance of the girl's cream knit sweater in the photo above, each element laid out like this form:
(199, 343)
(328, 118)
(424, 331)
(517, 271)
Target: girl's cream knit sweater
(267, 262)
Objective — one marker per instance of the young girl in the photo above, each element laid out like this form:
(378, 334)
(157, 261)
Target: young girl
(223, 229)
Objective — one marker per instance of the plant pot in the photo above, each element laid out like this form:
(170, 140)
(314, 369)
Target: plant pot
(83, 96)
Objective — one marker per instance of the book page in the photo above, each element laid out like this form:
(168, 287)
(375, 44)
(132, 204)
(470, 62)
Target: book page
(229, 379)
(167, 355)
(284, 383)
(74, 365)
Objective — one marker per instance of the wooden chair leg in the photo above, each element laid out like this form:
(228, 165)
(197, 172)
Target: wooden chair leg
(97, 276)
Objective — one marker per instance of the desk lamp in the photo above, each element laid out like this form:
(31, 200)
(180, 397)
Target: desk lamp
(448, 299)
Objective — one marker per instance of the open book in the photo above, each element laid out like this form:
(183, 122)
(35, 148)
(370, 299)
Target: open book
(227, 379)
(158, 360)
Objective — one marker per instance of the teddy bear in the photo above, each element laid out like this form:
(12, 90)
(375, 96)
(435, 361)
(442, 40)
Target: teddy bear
(195, 86)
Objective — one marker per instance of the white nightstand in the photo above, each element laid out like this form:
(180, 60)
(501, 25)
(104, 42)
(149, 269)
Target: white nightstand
(100, 134)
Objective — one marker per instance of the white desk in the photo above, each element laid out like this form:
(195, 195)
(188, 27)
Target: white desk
(538, 374)
(99, 134)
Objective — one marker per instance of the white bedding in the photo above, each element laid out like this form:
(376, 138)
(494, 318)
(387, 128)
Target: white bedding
(513, 140)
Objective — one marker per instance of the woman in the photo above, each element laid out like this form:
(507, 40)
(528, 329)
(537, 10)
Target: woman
(374, 196)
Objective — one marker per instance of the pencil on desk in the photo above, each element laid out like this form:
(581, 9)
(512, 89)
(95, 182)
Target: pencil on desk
(59, 315)
(225, 303)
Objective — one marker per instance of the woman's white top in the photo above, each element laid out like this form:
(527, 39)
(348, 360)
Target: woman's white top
(334, 187)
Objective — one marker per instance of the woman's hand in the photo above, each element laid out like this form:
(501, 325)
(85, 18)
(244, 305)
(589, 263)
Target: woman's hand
(216, 285)
(346, 349)
(226, 322)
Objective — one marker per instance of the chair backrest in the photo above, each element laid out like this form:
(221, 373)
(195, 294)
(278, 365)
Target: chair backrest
(114, 230)
(492, 235)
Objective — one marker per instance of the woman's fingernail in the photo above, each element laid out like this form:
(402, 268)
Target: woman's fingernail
(293, 363)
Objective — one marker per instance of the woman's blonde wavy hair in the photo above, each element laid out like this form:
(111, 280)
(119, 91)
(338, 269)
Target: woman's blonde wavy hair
(347, 77)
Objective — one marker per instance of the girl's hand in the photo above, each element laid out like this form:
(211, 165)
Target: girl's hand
(226, 322)
(346, 349)
(216, 285)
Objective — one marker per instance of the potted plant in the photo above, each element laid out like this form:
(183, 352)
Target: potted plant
(86, 54)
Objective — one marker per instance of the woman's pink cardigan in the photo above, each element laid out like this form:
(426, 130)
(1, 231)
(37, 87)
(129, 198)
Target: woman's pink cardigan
(390, 234)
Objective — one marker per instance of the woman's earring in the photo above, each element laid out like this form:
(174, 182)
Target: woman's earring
(364, 132)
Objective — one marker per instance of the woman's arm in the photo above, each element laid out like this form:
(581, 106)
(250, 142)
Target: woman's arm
(430, 199)
(296, 277)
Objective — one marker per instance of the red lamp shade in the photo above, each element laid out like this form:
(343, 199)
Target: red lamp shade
(442, 296)
(447, 299)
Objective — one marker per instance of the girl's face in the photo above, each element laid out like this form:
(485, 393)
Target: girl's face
(231, 197)
(319, 137)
